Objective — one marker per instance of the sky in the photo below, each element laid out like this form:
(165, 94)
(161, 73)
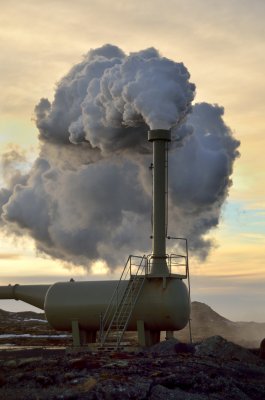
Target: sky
(222, 45)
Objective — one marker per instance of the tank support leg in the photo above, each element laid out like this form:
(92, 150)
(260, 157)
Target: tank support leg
(169, 335)
(80, 336)
(154, 337)
(141, 333)
(76, 334)
(145, 336)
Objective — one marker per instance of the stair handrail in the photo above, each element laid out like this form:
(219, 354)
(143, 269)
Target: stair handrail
(107, 313)
(119, 338)
(107, 318)
(134, 277)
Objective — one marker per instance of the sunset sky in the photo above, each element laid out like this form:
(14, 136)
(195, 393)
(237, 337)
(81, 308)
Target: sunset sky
(222, 43)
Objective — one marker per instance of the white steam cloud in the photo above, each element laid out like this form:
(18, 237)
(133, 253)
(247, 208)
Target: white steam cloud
(88, 195)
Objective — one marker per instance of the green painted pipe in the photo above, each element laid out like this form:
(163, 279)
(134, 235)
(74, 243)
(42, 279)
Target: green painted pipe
(31, 294)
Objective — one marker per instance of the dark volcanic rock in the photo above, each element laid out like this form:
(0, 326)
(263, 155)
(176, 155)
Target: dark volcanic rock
(120, 390)
(262, 349)
(2, 379)
(184, 348)
(165, 347)
(44, 380)
(164, 374)
(160, 392)
(218, 347)
(78, 363)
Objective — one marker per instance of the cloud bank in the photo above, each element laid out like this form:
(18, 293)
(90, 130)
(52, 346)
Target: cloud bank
(88, 194)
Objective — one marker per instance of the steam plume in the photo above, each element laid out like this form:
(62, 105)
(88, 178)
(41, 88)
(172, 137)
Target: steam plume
(88, 194)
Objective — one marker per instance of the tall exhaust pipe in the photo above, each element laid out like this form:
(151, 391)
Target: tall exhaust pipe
(159, 137)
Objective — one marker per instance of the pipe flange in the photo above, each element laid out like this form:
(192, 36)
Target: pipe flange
(159, 134)
(14, 291)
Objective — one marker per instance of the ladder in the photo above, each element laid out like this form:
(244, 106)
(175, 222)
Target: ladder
(115, 320)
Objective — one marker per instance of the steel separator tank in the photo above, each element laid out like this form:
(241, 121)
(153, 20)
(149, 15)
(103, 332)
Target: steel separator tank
(163, 304)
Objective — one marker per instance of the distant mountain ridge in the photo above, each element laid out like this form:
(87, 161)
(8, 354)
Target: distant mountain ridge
(206, 322)
(21, 315)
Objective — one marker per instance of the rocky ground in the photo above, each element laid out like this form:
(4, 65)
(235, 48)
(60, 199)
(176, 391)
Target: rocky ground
(214, 369)
(29, 329)
(38, 363)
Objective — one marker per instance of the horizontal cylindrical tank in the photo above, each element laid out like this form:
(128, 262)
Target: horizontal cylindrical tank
(162, 304)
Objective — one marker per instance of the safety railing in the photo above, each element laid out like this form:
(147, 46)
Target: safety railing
(178, 265)
(122, 303)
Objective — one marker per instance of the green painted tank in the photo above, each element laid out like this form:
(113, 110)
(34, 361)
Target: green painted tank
(161, 307)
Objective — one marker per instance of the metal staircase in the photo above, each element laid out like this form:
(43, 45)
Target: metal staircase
(115, 320)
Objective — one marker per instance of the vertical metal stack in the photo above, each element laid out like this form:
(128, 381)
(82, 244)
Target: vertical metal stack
(159, 138)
